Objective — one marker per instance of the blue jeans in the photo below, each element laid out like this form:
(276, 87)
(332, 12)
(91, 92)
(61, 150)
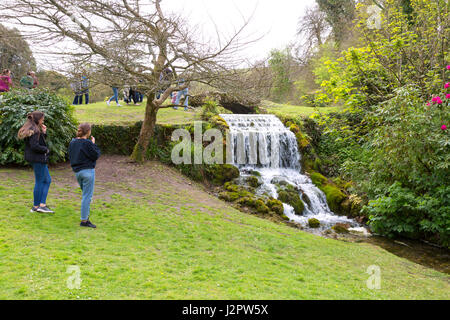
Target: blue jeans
(86, 180)
(42, 183)
(115, 96)
(79, 99)
(181, 93)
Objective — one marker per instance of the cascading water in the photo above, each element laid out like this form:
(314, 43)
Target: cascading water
(262, 143)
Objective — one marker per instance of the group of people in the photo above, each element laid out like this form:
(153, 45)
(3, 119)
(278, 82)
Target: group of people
(130, 94)
(83, 154)
(30, 81)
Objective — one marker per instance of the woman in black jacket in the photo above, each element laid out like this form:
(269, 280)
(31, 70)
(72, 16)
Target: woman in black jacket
(83, 155)
(34, 132)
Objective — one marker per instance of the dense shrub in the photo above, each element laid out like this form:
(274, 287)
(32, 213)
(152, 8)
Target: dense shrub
(403, 212)
(14, 107)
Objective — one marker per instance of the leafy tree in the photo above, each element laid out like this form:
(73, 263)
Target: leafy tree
(135, 41)
(392, 55)
(281, 62)
(53, 80)
(15, 54)
(340, 14)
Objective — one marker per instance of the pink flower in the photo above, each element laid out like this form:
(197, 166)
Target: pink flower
(437, 100)
(428, 104)
(444, 127)
(447, 96)
(447, 85)
(448, 67)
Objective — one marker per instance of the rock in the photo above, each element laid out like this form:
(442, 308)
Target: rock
(229, 196)
(293, 199)
(236, 103)
(334, 198)
(341, 227)
(360, 231)
(231, 187)
(253, 181)
(276, 206)
(224, 173)
(306, 199)
(314, 223)
(279, 181)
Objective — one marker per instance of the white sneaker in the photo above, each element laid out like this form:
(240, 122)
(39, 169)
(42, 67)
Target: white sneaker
(108, 103)
(119, 105)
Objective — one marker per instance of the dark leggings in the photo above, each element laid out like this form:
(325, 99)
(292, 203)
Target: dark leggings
(42, 183)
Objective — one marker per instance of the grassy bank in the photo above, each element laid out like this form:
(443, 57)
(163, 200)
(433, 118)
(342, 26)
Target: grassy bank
(161, 236)
(101, 113)
(291, 110)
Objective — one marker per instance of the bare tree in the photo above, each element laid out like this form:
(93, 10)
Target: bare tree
(314, 29)
(130, 40)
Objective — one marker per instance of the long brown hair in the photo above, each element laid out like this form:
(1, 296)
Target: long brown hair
(31, 126)
(83, 129)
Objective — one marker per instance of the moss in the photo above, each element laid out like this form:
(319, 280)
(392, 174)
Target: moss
(231, 187)
(334, 198)
(229, 196)
(223, 173)
(253, 181)
(314, 223)
(294, 128)
(261, 207)
(255, 173)
(293, 199)
(340, 228)
(256, 204)
(318, 179)
(276, 206)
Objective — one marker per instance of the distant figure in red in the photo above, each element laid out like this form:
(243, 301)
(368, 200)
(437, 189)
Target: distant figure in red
(5, 81)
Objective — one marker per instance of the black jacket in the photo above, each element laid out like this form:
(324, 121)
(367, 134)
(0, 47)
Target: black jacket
(36, 149)
(83, 154)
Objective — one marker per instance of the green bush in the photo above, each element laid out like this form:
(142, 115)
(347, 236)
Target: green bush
(14, 107)
(405, 213)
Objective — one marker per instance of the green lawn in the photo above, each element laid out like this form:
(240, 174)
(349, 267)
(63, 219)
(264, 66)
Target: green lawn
(161, 237)
(100, 113)
(290, 110)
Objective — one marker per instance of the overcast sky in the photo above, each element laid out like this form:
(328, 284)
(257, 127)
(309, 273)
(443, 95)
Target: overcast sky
(274, 20)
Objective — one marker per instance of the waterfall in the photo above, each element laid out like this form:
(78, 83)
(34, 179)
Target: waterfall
(262, 143)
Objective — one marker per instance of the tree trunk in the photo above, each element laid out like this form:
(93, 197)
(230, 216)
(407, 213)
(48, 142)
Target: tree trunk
(147, 130)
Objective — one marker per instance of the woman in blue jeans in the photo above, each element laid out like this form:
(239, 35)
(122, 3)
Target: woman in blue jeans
(34, 132)
(114, 97)
(83, 155)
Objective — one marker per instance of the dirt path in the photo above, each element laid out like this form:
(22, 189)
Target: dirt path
(116, 176)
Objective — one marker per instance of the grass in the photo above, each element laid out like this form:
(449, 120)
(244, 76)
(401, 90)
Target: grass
(290, 110)
(100, 113)
(161, 238)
